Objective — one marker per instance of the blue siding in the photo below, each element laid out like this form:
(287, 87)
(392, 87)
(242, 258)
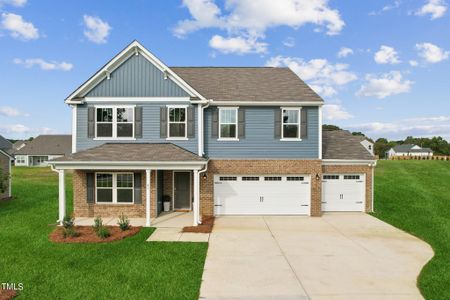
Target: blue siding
(259, 141)
(151, 124)
(137, 77)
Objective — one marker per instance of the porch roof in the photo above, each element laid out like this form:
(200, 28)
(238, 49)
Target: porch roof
(136, 155)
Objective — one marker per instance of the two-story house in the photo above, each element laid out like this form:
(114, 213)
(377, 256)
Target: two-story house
(213, 140)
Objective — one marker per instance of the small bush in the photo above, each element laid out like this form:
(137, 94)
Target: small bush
(98, 223)
(68, 222)
(70, 232)
(124, 222)
(103, 232)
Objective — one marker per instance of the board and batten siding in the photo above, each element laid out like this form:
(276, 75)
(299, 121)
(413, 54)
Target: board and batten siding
(259, 141)
(150, 127)
(137, 77)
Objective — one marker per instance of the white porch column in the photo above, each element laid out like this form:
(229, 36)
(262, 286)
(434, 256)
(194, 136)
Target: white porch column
(62, 196)
(148, 175)
(196, 197)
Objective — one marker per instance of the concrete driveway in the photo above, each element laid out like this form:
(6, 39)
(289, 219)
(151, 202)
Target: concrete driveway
(338, 256)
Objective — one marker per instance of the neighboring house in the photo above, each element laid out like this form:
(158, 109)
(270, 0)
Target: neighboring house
(42, 149)
(216, 140)
(5, 145)
(19, 145)
(5, 166)
(368, 144)
(409, 150)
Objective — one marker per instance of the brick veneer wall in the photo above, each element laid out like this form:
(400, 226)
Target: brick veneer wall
(84, 209)
(238, 167)
(355, 169)
(167, 185)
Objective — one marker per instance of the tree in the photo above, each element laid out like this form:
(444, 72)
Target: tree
(330, 127)
(358, 133)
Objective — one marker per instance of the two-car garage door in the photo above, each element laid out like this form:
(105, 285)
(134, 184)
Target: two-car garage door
(262, 195)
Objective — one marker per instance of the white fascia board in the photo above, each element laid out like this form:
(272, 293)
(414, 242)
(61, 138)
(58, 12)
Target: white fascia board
(348, 162)
(9, 156)
(104, 165)
(272, 103)
(134, 99)
(122, 57)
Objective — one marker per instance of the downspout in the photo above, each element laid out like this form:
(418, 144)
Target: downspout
(373, 185)
(199, 180)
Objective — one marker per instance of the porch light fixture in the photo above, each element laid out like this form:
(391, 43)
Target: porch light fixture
(317, 176)
(205, 176)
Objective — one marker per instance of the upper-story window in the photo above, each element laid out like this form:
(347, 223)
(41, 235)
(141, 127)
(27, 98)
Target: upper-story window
(177, 122)
(290, 127)
(115, 122)
(228, 119)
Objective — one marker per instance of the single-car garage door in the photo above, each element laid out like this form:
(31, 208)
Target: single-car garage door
(262, 195)
(343, 192)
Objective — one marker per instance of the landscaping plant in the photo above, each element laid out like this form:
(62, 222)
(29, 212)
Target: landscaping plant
(68, 227)
(3, 181)
(98, 223)
(124, 222)
(103, 232)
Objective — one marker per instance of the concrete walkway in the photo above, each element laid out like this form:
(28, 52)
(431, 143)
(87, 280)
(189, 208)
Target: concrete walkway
(338, 256)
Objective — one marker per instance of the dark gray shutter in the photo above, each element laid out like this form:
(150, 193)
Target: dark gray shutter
(215, 123)
(137, 188)
(241, 123)
(277, 123)
(190, 122)
(304, 123)
(91, 122)
(90, 188)
(163, 122)
(138, 122)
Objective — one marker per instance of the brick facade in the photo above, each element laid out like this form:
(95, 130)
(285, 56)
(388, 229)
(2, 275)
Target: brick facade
(308, 167)
(355, 169)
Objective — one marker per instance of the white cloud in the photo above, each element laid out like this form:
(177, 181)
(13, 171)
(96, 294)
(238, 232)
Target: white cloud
(386, 55)
(19, 28)
(238, 45)
(386, 8)
(44, 65)
(251, 19)
(23, 129)
(432, 53)
(413, 63)
(97, 30)
(435, 8)
(9, 111)
(386, 85)
(334, 112)
(344, 52)
(289, 42)
(16, 3)
(323, 76)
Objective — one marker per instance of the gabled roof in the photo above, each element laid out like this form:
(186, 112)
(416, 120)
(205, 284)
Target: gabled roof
(135, 152)
(341, 144)
(403, 147)
(135, 48)
(2, 152)
(5, 144)
(48, 145)
(248, 84)
(422, 150)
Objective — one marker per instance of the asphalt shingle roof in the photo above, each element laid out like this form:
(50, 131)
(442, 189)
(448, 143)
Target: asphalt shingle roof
(261, 84)
(5, 145)
(133, 152)
(48, 145)
(341, 144)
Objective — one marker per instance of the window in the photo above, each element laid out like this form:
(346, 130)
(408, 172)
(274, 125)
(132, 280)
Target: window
(370, 147)
(290, 128)
(115, 122)
(115, 187)
(272, 178)
(351, 177)
(177, 122)
(295, 178)
(250, 178)
(228, 123)
(228, 178)
(331, 177)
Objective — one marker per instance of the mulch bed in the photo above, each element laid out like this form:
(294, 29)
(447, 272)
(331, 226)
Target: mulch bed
(206, 226)
(88, 235)
(5, 199)
(7, 294)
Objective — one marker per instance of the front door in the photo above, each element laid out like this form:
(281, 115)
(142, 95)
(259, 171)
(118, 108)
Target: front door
(182, 190)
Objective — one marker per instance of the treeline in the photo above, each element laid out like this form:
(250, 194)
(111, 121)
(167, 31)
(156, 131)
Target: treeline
(439, 145)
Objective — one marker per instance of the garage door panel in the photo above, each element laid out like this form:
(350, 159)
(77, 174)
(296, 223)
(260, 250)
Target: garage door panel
(343, 192)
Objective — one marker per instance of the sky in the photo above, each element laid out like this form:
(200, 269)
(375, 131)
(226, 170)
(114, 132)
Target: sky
(382, 67)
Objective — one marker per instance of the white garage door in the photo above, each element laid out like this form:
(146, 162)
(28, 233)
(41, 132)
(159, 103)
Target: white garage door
(343, 192)
(262, 195)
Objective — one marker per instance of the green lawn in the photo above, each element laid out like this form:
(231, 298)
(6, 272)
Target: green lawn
(128, 269)
(415, 196)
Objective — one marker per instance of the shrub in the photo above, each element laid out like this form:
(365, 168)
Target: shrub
(70, 232)
(3, 181)
(103, 232)
(98, 223)
(124, 222)
(68, 222)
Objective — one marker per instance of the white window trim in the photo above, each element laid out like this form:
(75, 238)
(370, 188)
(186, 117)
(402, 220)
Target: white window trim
(114, 189)
(236, 138)
(297, 139)
(177, 138)
(114, 123)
